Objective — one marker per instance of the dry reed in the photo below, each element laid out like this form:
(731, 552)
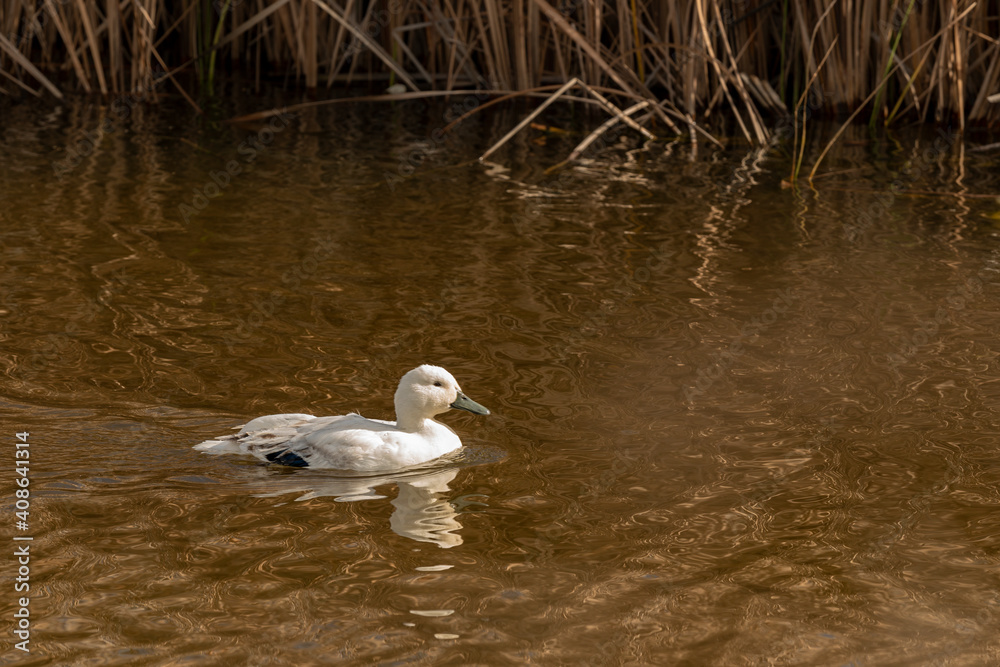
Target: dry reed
(690, 59)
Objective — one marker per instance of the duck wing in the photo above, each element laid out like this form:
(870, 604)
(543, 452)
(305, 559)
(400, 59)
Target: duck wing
(272, 428)
(345, 442)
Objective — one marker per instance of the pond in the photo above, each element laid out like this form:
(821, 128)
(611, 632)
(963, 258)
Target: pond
(733, 423)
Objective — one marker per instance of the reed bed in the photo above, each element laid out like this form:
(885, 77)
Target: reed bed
(749, 60)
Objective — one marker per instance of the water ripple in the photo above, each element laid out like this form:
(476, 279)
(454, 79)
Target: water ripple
(732, 424)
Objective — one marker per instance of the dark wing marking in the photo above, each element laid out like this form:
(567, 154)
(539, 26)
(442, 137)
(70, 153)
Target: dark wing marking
(287, 458)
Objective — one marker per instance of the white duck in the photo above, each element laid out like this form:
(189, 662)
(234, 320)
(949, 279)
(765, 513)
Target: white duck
(352, 442)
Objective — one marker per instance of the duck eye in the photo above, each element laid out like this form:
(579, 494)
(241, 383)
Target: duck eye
(437, 384)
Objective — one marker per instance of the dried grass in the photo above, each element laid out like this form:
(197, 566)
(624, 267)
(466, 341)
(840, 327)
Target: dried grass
(691, 59)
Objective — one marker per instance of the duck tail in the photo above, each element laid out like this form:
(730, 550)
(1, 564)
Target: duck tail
(226, 444)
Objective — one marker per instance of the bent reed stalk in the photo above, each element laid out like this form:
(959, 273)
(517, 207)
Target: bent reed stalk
(745, 60)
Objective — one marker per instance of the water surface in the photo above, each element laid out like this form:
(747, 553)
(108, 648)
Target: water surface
(733, 423)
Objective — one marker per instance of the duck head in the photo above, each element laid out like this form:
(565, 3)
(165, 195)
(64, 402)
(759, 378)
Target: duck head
(430, 390)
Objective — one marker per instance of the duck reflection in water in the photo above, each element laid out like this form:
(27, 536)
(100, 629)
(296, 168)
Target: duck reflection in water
(422, 510)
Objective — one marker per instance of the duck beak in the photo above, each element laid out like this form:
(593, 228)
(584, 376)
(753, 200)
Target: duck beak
(463, 402)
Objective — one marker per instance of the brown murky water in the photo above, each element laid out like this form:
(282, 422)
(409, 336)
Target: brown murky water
(733, 424)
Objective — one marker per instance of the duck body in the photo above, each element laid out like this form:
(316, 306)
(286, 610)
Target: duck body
(353, 442)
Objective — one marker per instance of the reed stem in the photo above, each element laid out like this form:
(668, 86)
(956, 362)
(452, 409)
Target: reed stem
(688, 58)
